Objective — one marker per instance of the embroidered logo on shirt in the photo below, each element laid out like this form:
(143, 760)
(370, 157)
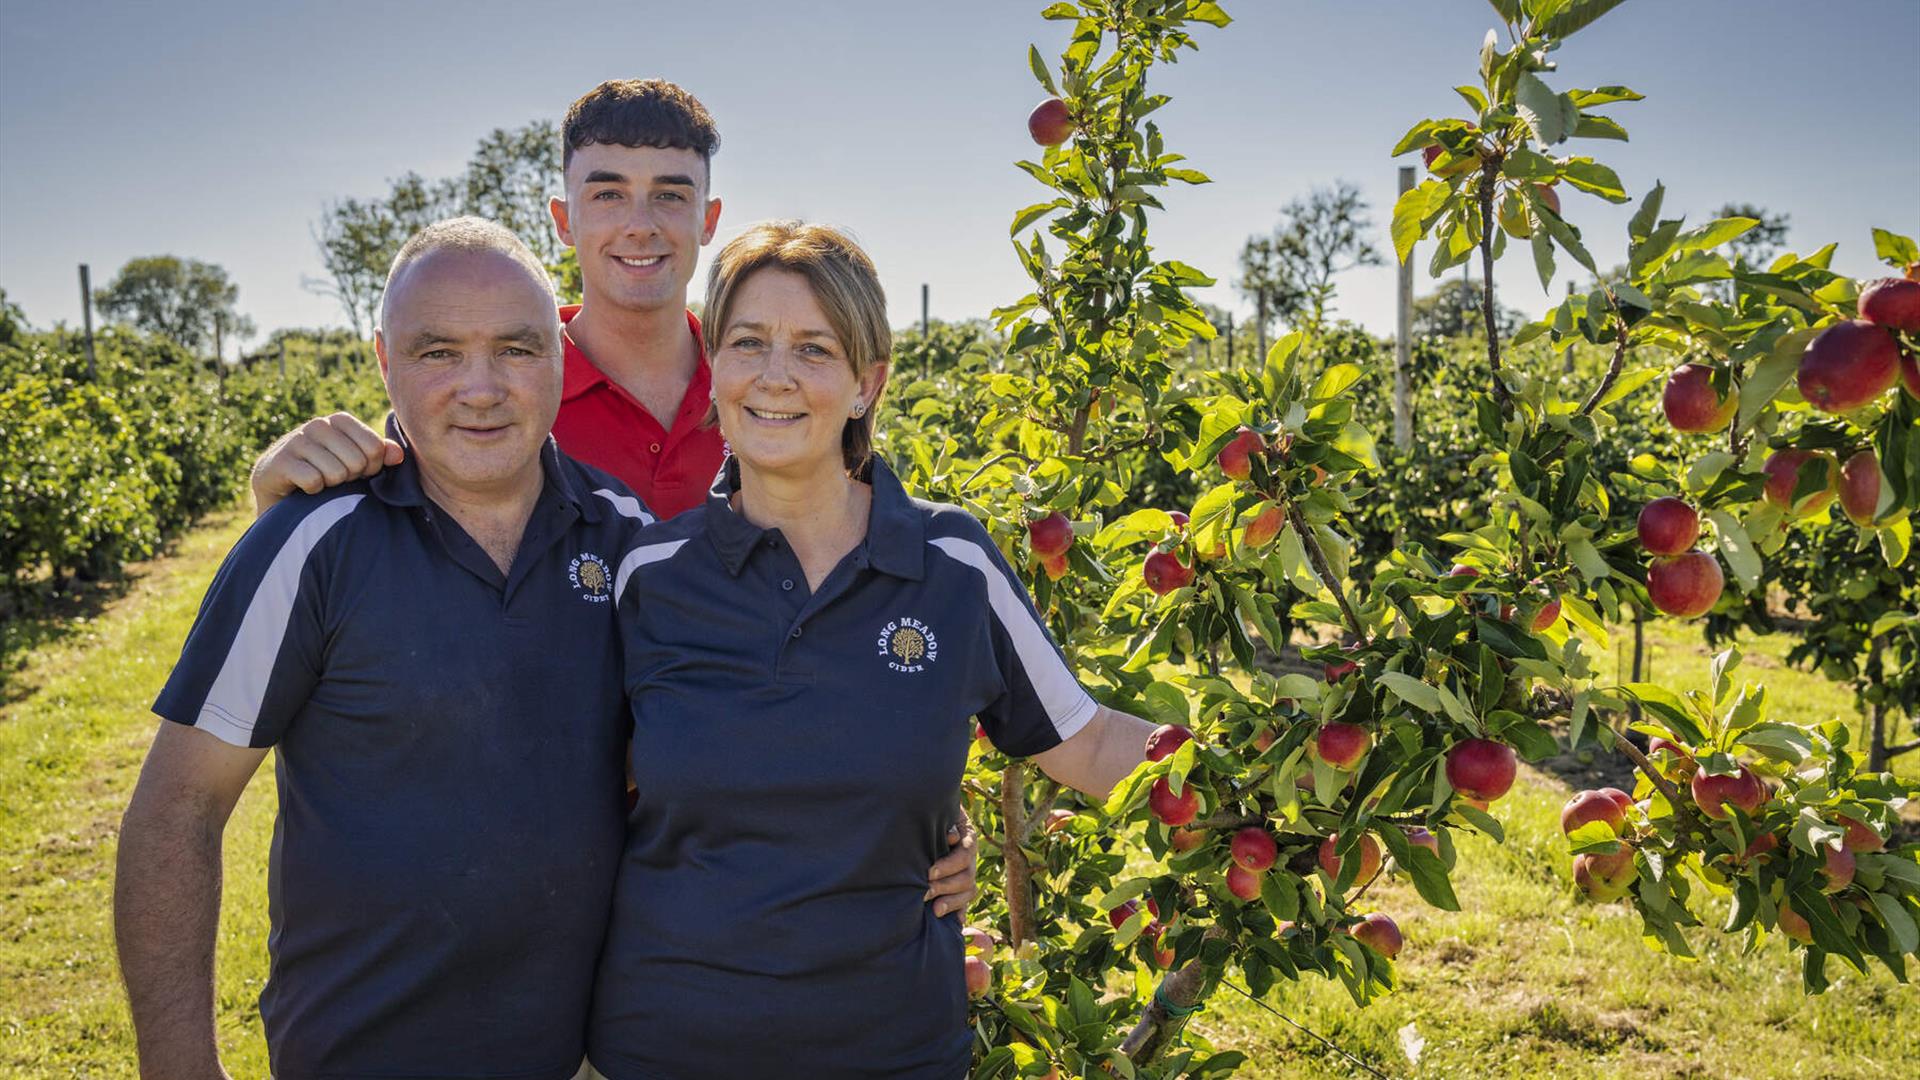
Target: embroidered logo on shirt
(908, 645)
(588, 573)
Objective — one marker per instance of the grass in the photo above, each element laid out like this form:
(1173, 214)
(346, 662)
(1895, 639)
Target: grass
(1524, 982)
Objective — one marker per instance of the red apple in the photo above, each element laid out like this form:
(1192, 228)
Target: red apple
(1164, 572)
(1056, 821)
(1055, 566)
(1185, 840)
(1265, 526)
(1456, 165)
(1783, 477)
(1683, 764)
(1264, 739)
(1860, 835)
(1050, 535)
(1050, 123)
(978, 939)
(979, 976)
(1668, 526)
(1547, 614)
(1589, 806)
(1369, 857)
(1340, 669)
(1910, 374)
(1179, 517)
(1620, 798)
(1379, 933)
(1173, 809)
(1685, 586)
(1463, 570)
(1253, 849)
(1838, 869)
(1848, 365)
(1243, 883)
(1481, 805)
(1795, 925)
(1235, 457)
(1119, 915)
(1715, 792)
(1860, 486)
(1165, 739)
(1341, 745)
(1481, 768)
(1692, 404)
(1420, 836)
(1602, 878)
(1893, 303)
(1764, 844)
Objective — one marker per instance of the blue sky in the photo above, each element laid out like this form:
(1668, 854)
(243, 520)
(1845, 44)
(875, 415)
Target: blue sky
(218, 129)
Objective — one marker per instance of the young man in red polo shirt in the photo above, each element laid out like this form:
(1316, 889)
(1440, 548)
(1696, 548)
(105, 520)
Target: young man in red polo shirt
(638, 209)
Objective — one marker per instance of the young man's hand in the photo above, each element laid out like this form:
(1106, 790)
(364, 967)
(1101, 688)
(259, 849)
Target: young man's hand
(951, 881)
(323, 452)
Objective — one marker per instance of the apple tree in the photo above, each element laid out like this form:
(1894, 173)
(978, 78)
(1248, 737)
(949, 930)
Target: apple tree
(1273, 796)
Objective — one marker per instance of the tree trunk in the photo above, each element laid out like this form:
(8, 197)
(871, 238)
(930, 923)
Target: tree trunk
(1019, 880)
(1639, 656)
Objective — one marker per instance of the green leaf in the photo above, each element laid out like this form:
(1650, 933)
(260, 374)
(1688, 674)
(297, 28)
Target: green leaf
(1713, 233)
(1335, 380)
(1896, 541)
(1188, 176)
(1577, 16)
(1899, 924)
(1641, 226)
(1771, 375)
(1591, 176)
(1034, 213)
(1895, 249)
(1542, 259)
(1551, 116)
(1411, 212)
(1588, 559)
(1738, 549)
(1481, 820)
(1706, 469)
(1669, 709)
(1412, 691)
(1038, 64)
(1599, 127)
(1628, 383)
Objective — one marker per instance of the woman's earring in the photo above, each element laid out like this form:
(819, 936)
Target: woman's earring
(860, 410)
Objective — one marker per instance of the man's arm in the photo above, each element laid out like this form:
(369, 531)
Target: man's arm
(166, 896)
(324, 452)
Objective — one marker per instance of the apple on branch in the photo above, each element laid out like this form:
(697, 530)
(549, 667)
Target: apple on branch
(1379, 933)
(1481, 768)
(1051, 122)
(1692, 404)
(1236, 458)
(1685, 586)
(1848, 365)
(1668, 526)
(1783, 468)
(1893, 303)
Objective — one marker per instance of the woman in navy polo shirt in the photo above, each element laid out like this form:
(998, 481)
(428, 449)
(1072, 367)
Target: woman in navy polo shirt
(805, 655)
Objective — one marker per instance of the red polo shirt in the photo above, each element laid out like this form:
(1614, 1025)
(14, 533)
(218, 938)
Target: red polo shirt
(670, 468)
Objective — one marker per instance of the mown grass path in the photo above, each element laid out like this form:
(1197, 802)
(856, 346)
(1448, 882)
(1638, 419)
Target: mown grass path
(1525, 982)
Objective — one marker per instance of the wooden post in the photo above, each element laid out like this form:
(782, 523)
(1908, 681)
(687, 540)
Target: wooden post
(1260, 357)
(86, 320)
(283, 357)
(1403, 343)
(1229, 340)
(1567, 361)
(926, 322)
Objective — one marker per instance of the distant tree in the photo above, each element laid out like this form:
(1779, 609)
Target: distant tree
(1453, 309)
(13, 321)
(1758, 245)
(1318, 238)
(509, 179)
(187, 300)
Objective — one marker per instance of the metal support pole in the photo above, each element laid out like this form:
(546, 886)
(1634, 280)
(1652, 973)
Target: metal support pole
(1403, 343)
(86, 320)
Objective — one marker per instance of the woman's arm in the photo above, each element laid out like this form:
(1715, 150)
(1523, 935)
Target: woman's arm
(1099, 755)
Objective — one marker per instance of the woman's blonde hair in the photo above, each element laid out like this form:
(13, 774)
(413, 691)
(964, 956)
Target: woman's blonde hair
(845, 285)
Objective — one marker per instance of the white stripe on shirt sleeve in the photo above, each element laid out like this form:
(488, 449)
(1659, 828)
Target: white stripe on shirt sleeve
(232, 705)
(626, 505)
(1068, 704)
(639, 557)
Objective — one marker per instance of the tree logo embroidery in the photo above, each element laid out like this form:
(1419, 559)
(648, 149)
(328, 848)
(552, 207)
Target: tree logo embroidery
(908, 645)
(588, 573)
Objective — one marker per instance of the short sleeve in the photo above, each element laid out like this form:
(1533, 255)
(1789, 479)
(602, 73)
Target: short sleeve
(254, 654)
(1042, 704)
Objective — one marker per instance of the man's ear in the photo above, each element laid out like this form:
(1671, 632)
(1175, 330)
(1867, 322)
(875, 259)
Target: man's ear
(557, 207)
(713, 221)
(380, 351)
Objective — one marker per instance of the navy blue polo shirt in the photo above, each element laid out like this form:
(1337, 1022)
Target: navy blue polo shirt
(448, 747)
(798, 756)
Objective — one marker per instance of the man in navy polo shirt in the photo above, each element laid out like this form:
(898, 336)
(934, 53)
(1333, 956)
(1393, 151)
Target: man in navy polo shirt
(432, 654)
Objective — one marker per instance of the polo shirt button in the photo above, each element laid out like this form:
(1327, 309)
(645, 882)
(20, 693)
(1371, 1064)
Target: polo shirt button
(655, 448)
(796, 632)
(788, 586)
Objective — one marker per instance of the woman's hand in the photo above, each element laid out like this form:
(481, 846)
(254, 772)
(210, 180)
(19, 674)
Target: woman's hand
(951, 884)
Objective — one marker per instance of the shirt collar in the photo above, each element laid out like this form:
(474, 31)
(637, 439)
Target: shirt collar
(896, 529)
(401, 486)
(580, 374)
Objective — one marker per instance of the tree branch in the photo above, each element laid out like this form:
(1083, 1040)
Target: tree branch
(1324, 571)
(1619, 357)
(1660, 782)
(1184, 989)
(1019, 876)
(1489, 175)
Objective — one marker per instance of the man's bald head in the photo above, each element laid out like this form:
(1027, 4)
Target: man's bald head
(473, 235)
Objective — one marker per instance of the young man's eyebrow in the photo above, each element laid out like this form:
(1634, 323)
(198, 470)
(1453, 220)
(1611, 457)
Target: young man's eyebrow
(604, 176)
(674, 180)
